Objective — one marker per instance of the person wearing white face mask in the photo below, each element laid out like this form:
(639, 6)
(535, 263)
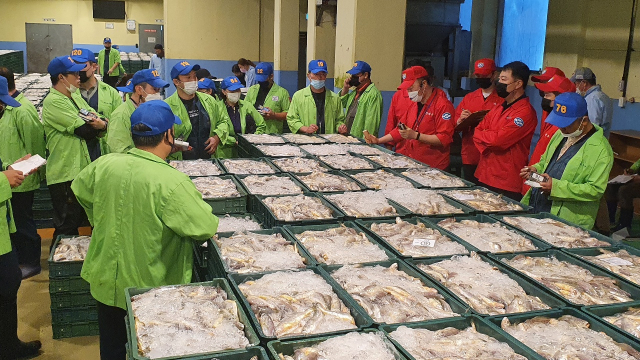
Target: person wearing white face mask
(575, 167)
(599, 104)
(144, 86)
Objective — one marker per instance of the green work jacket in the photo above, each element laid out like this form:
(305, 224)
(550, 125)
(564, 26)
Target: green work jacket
(369, 111)
(119, 132)
(277, 100)
(576, 196)
(302, 111)
(22, 133)
(144, 214)
(230, 149)
(114, 57)
(6, 225)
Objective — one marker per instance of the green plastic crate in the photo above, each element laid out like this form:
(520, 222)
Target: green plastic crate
(265, 160)
(580, 252)
(351, 174)
(70, 284)
(255, 151)
(310, 142)
(462, 323)
(379, 147)
(525, 208)
(250, 353)
(269, 219)
(398, 155)
(466, 210)
(467, 184)
(229, 205)
(63, 269)
(222, 283)
(252, 206)
(339, 173)
(214, 161)
(62, 331)
(601, 311)
(71, 300)
(310, 157)
(74, 315)
(401, 211)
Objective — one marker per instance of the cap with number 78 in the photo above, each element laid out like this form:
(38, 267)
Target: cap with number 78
(567, 108)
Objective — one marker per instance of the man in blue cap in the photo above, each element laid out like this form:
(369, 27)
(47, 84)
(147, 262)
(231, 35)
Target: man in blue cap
(143, 224)
(109, 63)
(269, 98)
(144, 86)
(364, 104)
(315, 109)
(205, 123)
(575, 167)
(207, 86)
(68, 132)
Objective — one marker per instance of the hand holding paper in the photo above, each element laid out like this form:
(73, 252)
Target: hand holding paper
(28, 164)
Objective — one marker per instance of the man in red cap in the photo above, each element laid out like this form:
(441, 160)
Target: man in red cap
(399, 107)
(547, 74)
(485, 98)
(430, 124)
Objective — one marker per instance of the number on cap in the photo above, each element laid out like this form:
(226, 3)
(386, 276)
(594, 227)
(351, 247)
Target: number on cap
(184, 63)
(320, 63)
(76, 52)
(561, 109)
(233, 81)
(155, 73)
(260, 71)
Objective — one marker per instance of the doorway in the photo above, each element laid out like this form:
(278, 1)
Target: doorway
(149, 36)
(46, 42)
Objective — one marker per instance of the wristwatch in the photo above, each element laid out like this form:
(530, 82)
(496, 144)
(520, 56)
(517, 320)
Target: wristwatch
(418, 137)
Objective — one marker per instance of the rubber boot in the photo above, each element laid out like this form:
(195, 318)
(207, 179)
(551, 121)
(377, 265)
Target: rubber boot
(626, 217)
(612, 206)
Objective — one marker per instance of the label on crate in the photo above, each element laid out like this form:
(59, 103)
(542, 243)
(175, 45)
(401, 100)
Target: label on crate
(617, 261)
(424, 242)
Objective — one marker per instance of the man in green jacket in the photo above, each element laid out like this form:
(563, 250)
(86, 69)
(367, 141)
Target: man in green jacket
(364, 104)
(315, 109)
(21, 133)
(67, 134)
(205, 123)
(109, 63)
(270, 99)
(145, 215)
(575, 166)
(144, 86)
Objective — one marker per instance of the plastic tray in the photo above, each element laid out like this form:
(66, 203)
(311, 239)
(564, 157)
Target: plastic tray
(249, 147)
(333, 172)
(401, 212)
(70, 284)
(633, 290)
(218, 268)
(229, 205)
(579, 252)
(525, 208)
(381, 148)
(292, 231)
(222, 283)
(374, 166)
(601, 311)
(71, 300)
(63, 269)
(351, 173)
(269, 219)
(421, 164)
(531, 288)
(462, 323)
(265, 160)
(252, 206)
(311, 157)
(324, 141)
(467, 184)
(255, 151)
(466, 210)
(62, 331)
(215, 161)
(74, 315)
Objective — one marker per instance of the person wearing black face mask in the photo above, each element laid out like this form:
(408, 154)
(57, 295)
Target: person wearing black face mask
(270, 99)
(364, 105)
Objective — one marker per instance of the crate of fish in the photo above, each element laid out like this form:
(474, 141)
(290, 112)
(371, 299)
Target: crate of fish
(578, 282)
(567, 333)
(366, 205)
(306, 209)
(347, 162)
(68, 284)
(326, 149)
(425, 202)
(70, 330)
(623, 262)
(276, 151)
(487, 286)
(205, 318)
(250, 353)
(435, 179)
(395, 161)
(200, 167)
(337, 244)
(67, 256)
(257, 251)
(557, 232)
(256, 166)
(414, 238)
(369, 150)
(466, 338)
(238, 222)
(486, 201)
(300, 165)
(270, 185)
(486, 234)
(303, 139)
(622, 317)
(74, 315)
(297, 304)
(248, 140)
(340, 139)
(224, 193)
(382, 179)
(329, 182)
(368, 344)
(62, 300)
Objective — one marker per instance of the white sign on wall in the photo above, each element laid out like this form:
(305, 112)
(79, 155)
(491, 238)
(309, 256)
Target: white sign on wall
(151, 40)
(49, 20)
(108, 25)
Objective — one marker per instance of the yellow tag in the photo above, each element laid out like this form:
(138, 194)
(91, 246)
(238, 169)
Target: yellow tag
(184, 63)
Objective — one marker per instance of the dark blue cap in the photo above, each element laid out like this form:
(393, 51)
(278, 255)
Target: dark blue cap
(183, 68)
(263, 71)
(4, 93)
(157, 115)
(206, 83)
(316, 66)
(231, 83)
(359, 67)
(149, 76)
(82, 55)
(106, 40)
(567, 108)
(63, 64)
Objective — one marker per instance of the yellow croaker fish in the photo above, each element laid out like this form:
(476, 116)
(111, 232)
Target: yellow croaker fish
(299, 207)
(246, 166)
(363, 204)
(303, 139)
(396, 162)
(619, 262)
(381, 179)
(214, 187)
(280, 150)
(341, 245)
(628, 321)
(482, 200)
(352, 346)
(491, 237)
(324, 182)
(555, 232)
(299, 165)
(346, 162)
(270, 185)
(422, 201)
(198, 167)
(433, 178)
(263, 139)
(72, 249)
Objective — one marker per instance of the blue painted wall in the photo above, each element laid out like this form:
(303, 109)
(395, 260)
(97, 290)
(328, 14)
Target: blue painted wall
(524, 28)
(286, 79)
(465, 14)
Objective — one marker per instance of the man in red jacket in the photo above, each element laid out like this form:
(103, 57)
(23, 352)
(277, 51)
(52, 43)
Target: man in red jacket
(399, 107)
(485, 98)
(430, 124)
(504, 136)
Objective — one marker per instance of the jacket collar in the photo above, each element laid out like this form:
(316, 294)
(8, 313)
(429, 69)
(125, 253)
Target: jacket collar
(146, 155)
(593, 89)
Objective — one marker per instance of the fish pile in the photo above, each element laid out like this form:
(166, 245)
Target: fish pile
(303, 139)
(491, 237)
(395, 161)
(174, 321)
(288, 303)
(452, 343)
(568, 337)
(198, 167)
(381, 179)
(341, 245)
(326, 149)
(263, 139)
(346, 162)
(417, 240)
(325, 182)
(365, 150)
(392, 296)
(247, 252)
(352, 346)
(628, 321)
(72, 249)
(555, 232)
(367, 204)
(620, 262)
(483, 201)
(483, 286)
(247, 167)
(229, 223)
(573, 282)
(339, 138)
(271, 185)
(422, 201)
(297, 208)
(299, 165)
(280, 150)
(213, 187)
(433, 178)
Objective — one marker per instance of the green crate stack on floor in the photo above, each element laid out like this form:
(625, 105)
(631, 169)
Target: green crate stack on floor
(13, 60)
(73, 309)
(43, 208)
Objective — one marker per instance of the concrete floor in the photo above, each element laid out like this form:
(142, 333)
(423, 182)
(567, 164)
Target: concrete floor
(34, 316)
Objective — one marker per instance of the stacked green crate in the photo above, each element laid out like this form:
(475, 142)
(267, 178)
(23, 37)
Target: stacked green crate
(13, 60)
(42, 207)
